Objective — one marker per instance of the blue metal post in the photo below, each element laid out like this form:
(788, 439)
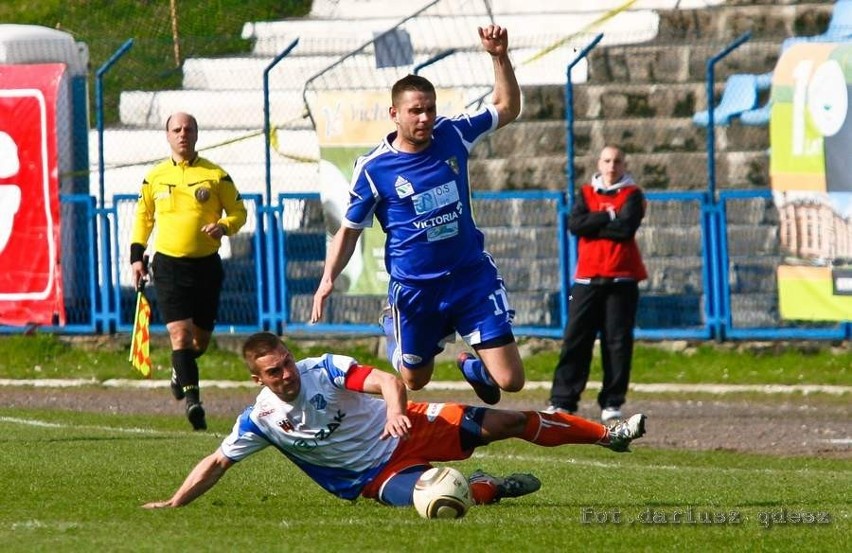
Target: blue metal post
(711, 125)
(714, 241)
(566, 266)
(107, 313)
(268, 213)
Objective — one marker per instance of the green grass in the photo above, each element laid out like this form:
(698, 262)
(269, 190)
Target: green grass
(105, 357)
(75, 482)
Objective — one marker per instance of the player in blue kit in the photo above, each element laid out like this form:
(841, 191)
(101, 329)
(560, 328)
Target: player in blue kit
(442, 281)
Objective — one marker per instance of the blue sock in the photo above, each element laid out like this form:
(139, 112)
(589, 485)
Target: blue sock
(474, 370)
(387, 327)
(398, 490)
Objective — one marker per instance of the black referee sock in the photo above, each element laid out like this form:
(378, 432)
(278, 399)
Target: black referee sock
(183, 361)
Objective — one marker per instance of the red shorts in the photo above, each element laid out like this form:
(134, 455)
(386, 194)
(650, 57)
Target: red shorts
(435, 436)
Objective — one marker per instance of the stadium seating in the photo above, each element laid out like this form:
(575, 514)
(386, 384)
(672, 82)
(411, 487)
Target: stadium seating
(839, 28)
(740, 95)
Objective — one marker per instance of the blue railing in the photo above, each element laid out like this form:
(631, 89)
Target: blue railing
(273, 266)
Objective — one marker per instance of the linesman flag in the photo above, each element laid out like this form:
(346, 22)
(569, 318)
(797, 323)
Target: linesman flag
(140, 340)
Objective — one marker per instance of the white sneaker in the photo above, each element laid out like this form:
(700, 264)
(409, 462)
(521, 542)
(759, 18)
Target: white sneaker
(611, 414)
(624, 432)
(551, 409)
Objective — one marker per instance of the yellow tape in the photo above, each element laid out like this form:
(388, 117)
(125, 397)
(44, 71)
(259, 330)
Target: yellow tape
(585, 30)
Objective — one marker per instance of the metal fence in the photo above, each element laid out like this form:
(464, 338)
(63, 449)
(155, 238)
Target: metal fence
(712, 251)
(711, 266)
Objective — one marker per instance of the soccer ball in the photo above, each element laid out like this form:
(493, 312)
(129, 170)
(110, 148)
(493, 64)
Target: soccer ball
(442, 492)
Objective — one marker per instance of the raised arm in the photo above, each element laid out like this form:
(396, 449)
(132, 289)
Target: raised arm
(507, 93)
(203, 477)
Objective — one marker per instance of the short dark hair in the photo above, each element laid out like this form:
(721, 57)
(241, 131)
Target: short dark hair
(259, 345)
(409, 83)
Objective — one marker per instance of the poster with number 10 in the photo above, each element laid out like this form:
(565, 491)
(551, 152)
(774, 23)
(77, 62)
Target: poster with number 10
(811, 176)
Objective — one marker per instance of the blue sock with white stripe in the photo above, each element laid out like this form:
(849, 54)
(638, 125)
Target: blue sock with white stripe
(474, 370)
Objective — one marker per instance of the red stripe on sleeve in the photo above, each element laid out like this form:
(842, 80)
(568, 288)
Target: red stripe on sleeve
(356, 376)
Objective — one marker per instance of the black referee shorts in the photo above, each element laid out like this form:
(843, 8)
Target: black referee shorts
(188, 288)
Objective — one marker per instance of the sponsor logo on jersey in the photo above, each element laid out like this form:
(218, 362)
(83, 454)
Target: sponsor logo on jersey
(319, 402)
(442, 232)
(404, 188)
(435, 198)
(453, 162)
(321, 434)
(442, 219)
(285, 425)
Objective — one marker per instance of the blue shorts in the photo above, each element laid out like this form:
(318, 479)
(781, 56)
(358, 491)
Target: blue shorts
(471, 301)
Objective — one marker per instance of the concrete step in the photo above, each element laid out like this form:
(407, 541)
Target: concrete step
(673, 275)
(671, 213)
(753, 240)
(731, 19)
(669, 171)
(235, 146)
(230, 109)
(755, 310)
(522, 243)
(360, 9)
(536, 308)
(635, 135)
(246, 73)
(753, 274)
(516, 212)
(668, 63)
(670, 241)
(530, 275)
(438, 32)
(250, 178)
(752, 211)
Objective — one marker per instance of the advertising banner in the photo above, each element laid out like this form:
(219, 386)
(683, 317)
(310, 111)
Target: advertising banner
(349, 125)
(811, 175)
(30, 277)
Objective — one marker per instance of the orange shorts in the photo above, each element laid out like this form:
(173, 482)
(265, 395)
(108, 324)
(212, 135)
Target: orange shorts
(436, 435)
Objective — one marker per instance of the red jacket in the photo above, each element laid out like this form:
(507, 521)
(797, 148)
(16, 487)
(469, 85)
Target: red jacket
(606, 221)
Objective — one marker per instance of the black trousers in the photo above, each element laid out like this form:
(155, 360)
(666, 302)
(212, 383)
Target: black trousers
(609, 310)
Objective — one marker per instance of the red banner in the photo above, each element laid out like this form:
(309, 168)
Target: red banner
(30, 277)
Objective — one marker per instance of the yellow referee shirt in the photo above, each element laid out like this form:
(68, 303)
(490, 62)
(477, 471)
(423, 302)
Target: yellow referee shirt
(181, 198)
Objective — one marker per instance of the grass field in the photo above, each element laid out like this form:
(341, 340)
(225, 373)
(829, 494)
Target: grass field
(75, 482)
(42, 356)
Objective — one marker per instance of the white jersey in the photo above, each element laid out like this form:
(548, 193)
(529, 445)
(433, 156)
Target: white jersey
(329, 432)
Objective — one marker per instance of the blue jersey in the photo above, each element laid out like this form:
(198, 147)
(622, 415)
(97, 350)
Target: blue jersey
(423, 200)
(331, 433)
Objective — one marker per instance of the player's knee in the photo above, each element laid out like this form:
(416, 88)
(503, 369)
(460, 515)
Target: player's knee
(515, 385)
(513, 382)
(413, 382)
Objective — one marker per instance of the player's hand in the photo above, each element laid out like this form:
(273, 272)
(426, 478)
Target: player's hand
(140, 274)
(397, 426)
(323, 291)
(495, 39)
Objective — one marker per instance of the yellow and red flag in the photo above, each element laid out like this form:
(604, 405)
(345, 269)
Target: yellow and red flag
(140, 341)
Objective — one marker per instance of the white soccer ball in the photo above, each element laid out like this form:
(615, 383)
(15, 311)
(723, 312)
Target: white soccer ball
(442, 492)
